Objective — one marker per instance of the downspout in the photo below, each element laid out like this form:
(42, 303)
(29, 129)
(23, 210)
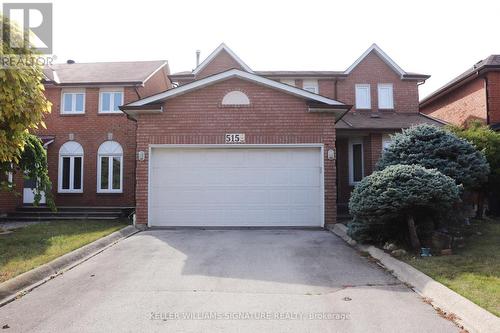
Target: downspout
(335, 89)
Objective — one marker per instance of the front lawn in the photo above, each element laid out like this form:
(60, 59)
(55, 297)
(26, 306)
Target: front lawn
(37, 244)
(473, 271)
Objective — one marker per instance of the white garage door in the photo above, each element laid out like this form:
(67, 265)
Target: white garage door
(236, 187)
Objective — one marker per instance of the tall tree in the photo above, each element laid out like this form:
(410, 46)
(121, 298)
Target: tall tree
(23, 106)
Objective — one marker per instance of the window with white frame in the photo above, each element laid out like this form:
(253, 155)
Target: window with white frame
(363, 100)
(110, 99)
(70, 168)
(73, 101)
(311, 86)
(385, 96)
(290, 82)
(386, 141)
(110, 167)
(355, 155)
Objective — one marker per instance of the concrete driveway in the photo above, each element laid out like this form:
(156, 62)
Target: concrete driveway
(225, 281)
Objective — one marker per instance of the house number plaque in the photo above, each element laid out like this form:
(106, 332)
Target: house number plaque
(235, 138)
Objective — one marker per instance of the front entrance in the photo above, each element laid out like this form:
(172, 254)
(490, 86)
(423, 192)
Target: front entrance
(29, 193)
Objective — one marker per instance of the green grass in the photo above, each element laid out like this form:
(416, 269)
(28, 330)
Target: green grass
(473, 271)
(37, 244)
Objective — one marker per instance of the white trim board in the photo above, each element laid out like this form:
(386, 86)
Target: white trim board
(212, 55)
(234, 73)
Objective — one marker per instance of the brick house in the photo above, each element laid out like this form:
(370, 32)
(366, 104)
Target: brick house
(473, 95)
(85, 126)
(233, 146)
(223, 145)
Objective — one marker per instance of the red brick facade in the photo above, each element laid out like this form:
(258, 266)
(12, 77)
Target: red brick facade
(373, 70)
(272, 118)
(461, 105)
(90, 130)
(493, 97)
(197, 117)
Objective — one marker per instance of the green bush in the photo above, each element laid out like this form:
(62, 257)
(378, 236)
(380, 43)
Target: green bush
(488, 141)
(396, 198)
(435, 148)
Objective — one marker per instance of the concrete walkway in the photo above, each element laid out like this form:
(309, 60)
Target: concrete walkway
(225, 281)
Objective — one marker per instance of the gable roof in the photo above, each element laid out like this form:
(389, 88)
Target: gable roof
(99, 73)
(220, 48)
(317, 103)
(385, 58)
(490, 63)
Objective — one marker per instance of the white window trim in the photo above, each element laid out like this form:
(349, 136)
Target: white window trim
(354, 141)
(73, 101)
(311, 84)
(111, 101)
(391, 104)
(105, 151)
(364, 86)
(71, 174)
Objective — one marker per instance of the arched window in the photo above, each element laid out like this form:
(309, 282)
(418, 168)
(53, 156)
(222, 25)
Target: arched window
(110, 167)
(70, 168)
(235, 97)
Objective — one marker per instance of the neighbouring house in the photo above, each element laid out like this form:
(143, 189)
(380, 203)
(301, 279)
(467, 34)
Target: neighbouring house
(223, 144)
(90, 143)
(473, 95)
(230, 146)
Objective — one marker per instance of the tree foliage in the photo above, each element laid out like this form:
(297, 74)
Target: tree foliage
(436, 148)
(396, 194)
(484, 139)
(22, 101)
(23, 106)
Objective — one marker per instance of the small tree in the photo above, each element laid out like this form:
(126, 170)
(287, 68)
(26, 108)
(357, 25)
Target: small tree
(435, 148)
(488, 141)
(22, 108)
(398, 194)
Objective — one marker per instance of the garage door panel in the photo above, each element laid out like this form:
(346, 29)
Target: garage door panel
(236, 187)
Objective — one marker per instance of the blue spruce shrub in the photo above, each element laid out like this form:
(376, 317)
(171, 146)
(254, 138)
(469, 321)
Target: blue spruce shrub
(388, 202)
(436, 148)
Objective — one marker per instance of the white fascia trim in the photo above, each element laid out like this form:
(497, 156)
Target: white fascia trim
(215, 53)
(228, 75)
(154, 72)
(382, 54)
(235, 146)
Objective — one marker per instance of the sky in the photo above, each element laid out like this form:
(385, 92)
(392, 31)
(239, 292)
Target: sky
(439, 37)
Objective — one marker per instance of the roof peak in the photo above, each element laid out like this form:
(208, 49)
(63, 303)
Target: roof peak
(211, 56)
(382, 55)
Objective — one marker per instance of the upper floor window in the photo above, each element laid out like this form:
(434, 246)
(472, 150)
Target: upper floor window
(110, 167)
(290, 82)
(110, 99)
(311, 86)
(70, 167)
(385, 96)
(363, 100)
(73, 101)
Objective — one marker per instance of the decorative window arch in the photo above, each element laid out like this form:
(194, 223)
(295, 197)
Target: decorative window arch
(110, 167)
(70, 174)
(235, 97)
